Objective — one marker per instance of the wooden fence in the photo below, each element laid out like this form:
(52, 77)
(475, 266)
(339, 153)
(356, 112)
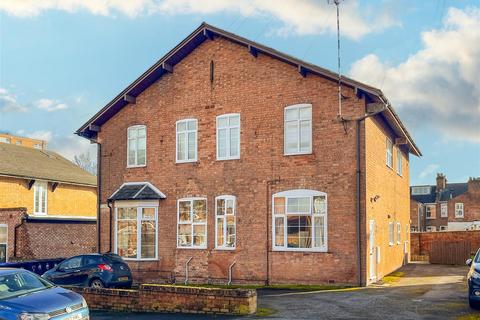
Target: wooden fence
(446, 252)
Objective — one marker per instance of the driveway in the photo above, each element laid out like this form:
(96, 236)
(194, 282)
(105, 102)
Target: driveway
(424, 292)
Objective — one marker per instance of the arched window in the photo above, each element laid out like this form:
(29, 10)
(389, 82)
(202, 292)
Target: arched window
(299, 220)
(136, 146)
(225, 222)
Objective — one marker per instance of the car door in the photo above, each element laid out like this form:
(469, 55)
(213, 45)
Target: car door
(68, 272)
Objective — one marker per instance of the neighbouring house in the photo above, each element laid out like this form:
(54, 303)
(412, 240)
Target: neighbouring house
(47, 205)
(445, 206)
(229, 158)
(23, 141)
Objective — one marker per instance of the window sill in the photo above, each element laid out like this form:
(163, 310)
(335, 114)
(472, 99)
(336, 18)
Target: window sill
(400, 175)
(298, 154)
(224, 249)
(225, 159)
(389, 167)
(39, 213)
(192, 248)
(186, 161)
(320, 250)
(140, 166)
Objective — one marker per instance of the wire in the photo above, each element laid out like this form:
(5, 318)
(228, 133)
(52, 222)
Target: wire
(337, 3)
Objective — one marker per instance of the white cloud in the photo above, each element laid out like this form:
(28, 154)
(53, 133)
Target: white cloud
(438, 85)
(49, 105)
(297, 16)
(9, 102)
(428, 170)
(67, 146)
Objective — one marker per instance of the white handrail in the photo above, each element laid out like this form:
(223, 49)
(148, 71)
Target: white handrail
(186, 270)
(230, 272)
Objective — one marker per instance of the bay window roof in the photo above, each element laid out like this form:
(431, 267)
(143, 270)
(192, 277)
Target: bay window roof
(137, 191)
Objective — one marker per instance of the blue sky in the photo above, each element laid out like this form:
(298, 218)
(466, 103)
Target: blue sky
(61, 61)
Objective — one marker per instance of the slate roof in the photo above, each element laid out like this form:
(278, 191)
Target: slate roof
(35, 164)
(451, 191)
(205, 32)
(137, 191)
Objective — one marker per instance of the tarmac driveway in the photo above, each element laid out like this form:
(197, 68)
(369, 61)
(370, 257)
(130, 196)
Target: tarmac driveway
(424, 292)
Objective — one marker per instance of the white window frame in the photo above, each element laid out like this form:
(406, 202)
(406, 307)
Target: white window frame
(139, 206)
(443, 228)
(418, 190)
(427, 210)
(192, 223)
(399, 162)
(459, 210)
(431, 229)
(186, 133)
(389, 152)
(444, 210)
(42, 185)
(399, 232)
(136, 165)
(224, 217)
(6, 242)
(391, 234)
(299, 193)
(298, 120)
(228, 137)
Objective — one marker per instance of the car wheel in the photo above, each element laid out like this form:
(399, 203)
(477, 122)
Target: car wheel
(97, 283)
(473, 304)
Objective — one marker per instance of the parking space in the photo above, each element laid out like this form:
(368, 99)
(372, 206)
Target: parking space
(423, 292)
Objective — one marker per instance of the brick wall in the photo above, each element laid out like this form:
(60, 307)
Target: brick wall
(471, 203)
(421, 241)
(157, 298)
(242, 84)
(46, 239)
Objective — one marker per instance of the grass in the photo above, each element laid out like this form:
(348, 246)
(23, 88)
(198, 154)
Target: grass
(265, 312)
(393, 277)
(469, 317)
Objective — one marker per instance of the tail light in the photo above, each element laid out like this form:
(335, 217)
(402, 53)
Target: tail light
(105, 267)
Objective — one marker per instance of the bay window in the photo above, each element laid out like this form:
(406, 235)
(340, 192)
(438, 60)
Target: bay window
(225, 212)
(192, 223)
(298, 129)
(300, 221)
(136, 231)
(137, 146)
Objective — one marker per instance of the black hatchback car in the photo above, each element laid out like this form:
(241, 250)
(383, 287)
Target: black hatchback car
(473, 279)
(91, 270)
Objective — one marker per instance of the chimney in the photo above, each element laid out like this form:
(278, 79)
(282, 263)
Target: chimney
(441, 181)
(474, 185)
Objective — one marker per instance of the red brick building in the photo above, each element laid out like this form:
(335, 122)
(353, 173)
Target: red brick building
(227, 156)
(446, 206)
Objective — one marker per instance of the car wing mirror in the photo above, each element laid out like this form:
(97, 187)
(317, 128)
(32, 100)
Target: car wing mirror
(469, 262)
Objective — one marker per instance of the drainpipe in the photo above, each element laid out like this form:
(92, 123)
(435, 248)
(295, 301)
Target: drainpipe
(359, 193)
(15, 236)
(230, 273)
(109, 204)
(267, 247)
(99, 195)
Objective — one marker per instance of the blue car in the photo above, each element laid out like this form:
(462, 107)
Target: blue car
(473, 279)
(26, 296)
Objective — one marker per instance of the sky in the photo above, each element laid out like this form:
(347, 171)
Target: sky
(63, 60)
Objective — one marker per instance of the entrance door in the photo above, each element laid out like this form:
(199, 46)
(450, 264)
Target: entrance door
(3, 242)
(373, 258)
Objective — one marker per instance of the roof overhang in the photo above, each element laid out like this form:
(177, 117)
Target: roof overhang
(137, 191)
(206, 32)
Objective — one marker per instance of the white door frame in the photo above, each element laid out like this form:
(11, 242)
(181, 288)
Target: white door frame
(372, 251)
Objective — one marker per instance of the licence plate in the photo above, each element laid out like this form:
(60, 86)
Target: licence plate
(123, 279)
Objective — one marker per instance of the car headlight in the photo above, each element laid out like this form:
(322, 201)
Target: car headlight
(33, 316)
(475, 274)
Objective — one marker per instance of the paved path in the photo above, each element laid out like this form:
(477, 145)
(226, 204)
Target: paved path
(425, 292)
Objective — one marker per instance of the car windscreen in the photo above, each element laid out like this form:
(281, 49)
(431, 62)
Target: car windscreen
(477, 257)
(20, 283)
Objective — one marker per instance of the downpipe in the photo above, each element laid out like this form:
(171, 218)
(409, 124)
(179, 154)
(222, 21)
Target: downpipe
(186, 270)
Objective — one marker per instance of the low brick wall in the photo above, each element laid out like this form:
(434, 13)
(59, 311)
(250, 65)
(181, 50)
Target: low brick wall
(166, 298)
(420, 242)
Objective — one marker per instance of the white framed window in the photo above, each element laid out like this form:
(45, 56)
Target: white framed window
(136, 233)
(5, 140)
(186, 147)
(192, 223)
(431, 229)
(389, 154)
(299, 221)
(37, 146)
(391, 233)
(298, 129)
(458, 210)
(399, 233)
(3, 243)
(228, 136)
(136, 146)
(430, 211)
(399, 162)
(225, 222)
(420, 190)
(40, 197)
(407, 230)
(443, 228)
(444, 210)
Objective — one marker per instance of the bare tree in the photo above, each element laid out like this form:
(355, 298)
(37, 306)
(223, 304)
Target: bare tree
(86, 162)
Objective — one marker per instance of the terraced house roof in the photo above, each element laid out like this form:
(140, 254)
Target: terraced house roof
(29, 163)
